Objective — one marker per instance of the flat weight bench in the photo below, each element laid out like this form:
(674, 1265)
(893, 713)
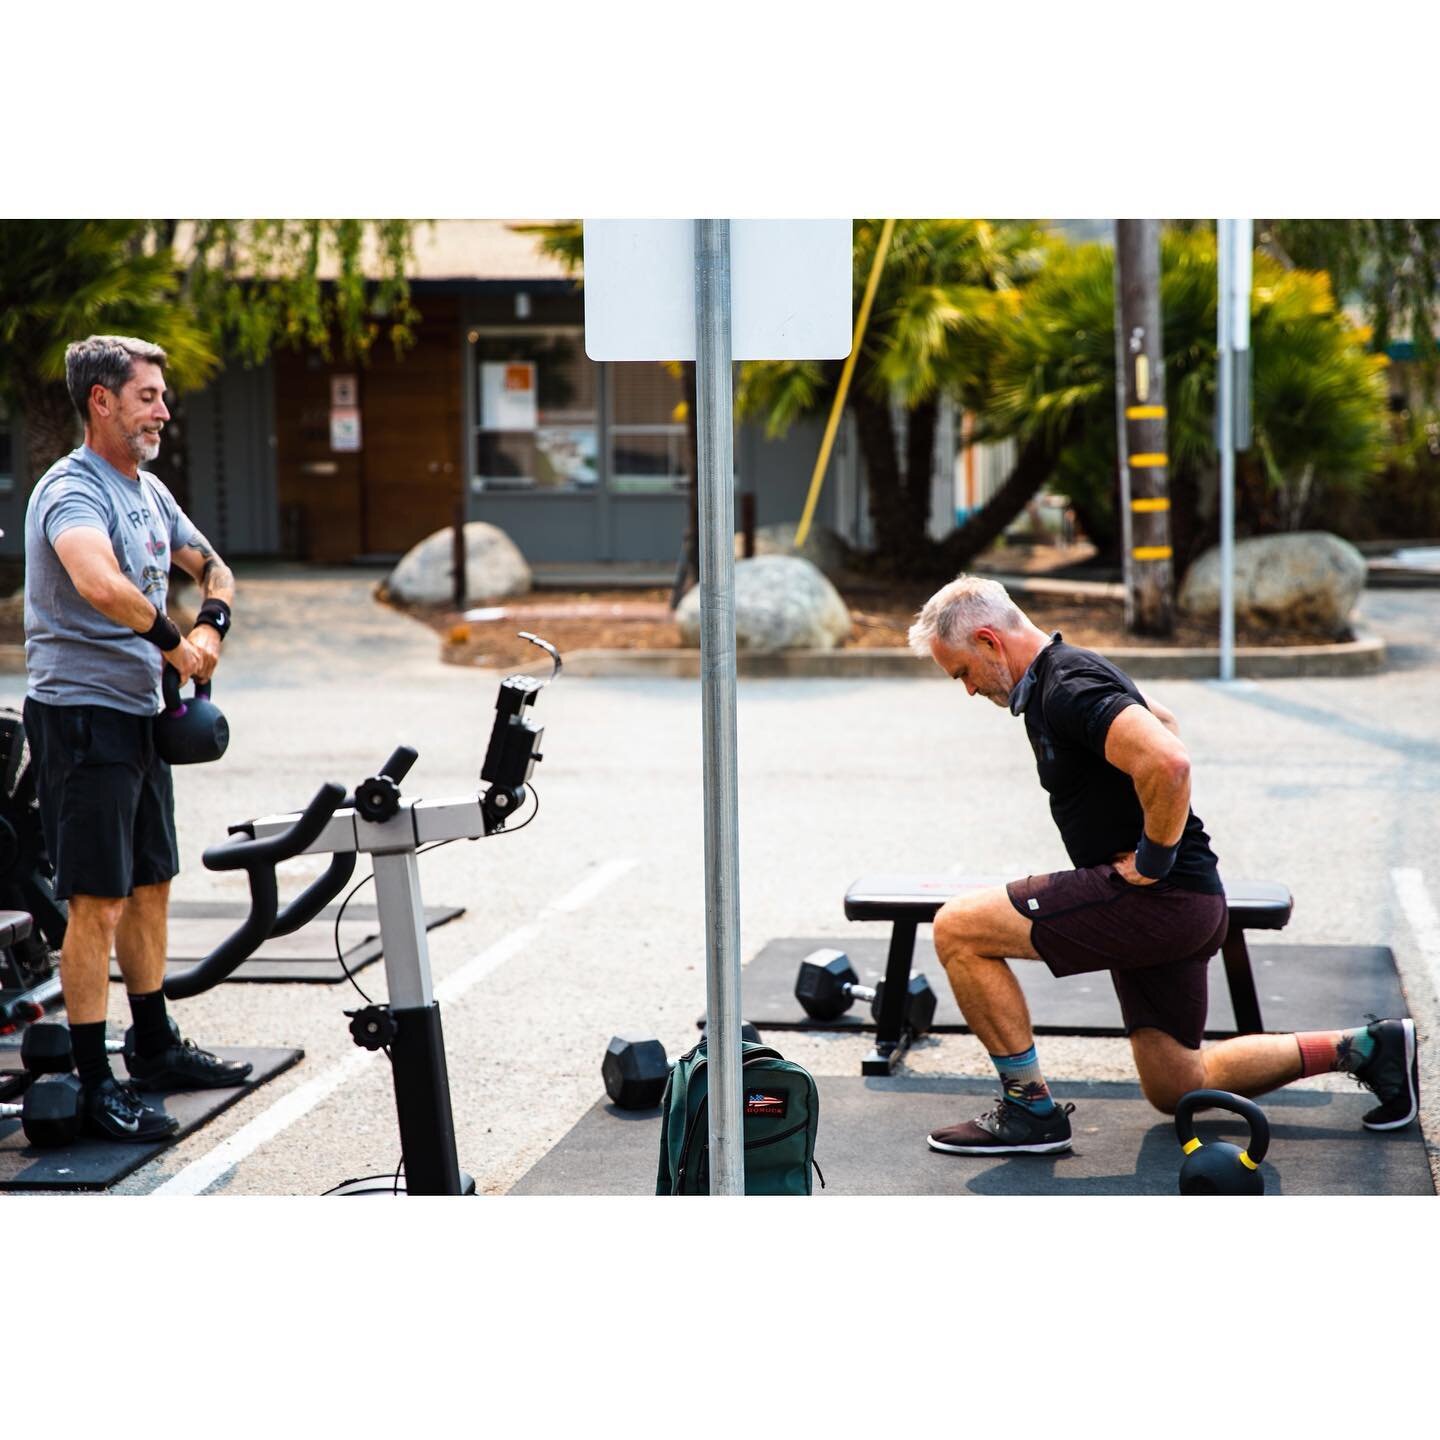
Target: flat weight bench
(15, 925)
(909, 901)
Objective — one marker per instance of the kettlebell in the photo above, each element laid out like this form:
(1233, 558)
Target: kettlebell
(189, 732)
(1219, 1168)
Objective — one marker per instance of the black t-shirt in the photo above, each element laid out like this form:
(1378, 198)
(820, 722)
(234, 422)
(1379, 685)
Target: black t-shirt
(1076, 695)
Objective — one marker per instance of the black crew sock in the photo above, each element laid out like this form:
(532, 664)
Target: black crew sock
(92, 1061)
(152, 1025)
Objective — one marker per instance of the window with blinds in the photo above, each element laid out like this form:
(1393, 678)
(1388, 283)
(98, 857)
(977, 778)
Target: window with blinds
(647, 427)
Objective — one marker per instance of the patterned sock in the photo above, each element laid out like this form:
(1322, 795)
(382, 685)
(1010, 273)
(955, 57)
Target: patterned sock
(1023, 1083)
(1322, 1051)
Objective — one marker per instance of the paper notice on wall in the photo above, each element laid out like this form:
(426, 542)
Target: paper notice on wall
(345, 428)
(508, 395)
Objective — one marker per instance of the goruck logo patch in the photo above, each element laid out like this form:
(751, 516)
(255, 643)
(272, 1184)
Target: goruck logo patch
(762, 1102)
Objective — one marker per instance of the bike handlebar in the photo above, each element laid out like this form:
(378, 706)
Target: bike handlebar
(259, 859)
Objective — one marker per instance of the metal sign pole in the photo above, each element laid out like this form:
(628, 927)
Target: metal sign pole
(1225, 426)
(715, 437)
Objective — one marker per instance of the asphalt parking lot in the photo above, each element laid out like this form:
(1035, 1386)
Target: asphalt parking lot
(590, 921)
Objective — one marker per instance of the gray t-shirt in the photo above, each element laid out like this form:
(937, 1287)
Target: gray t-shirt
(74, 654)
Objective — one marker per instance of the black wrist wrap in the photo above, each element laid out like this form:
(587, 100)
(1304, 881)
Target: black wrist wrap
(216, 614)
(162, 634)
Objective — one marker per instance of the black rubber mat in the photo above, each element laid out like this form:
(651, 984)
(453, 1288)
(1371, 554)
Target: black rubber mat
(1301, 987)
(306, 957)
(98, 1164)
(872, 1142)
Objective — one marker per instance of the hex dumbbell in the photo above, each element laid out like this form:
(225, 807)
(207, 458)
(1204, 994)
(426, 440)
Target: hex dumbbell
(46, 1050)
(635, 1068)
(50, 1113)
(827, 986)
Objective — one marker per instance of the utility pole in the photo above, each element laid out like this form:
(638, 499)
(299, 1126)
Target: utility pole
(1140, 402)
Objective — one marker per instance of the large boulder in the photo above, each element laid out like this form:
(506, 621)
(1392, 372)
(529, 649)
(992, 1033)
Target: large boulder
(823, 548)
(781, 603)
(1306, 581)
(494, 567)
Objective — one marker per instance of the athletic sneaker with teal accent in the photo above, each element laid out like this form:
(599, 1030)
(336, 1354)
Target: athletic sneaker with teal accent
(1393, 1073)
(1008, 1129)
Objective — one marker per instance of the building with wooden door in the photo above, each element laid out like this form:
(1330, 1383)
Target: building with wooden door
(497, 409)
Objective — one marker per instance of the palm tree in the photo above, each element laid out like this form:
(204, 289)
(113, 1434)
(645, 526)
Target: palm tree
(1318, 397)
(61, 280)
(945, 295)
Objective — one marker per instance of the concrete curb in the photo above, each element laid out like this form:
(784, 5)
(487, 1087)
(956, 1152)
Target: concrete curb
(1363, 656)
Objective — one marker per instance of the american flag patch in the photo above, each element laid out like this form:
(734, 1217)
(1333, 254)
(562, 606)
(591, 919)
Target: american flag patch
(762, 1102)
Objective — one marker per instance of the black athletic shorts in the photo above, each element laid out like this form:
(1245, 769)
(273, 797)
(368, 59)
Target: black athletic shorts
(106, 803)
(1155, 940)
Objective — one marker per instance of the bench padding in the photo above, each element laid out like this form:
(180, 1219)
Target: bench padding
(1254, 904)
(15, 925)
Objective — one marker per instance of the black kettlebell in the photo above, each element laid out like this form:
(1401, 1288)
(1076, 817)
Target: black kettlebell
(189, 732)
(1220, 1168)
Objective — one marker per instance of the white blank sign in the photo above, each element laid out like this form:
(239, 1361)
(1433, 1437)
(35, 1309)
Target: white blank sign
(790, 289)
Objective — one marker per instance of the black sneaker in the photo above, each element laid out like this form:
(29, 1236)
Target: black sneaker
(113, 1111)
(1008, 1129)
(184, 1066)
(1393, 1073)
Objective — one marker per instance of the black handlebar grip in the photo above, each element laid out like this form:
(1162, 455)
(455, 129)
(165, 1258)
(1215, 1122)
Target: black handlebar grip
(397, 767)
(247, 854)
(259, 859)
(316, 896)
(235, 949)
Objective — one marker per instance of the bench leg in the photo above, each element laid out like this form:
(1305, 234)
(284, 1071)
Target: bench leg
(1243, 998)
(893, 1038)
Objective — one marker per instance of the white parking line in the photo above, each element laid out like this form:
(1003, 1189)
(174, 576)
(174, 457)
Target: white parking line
(200, 1174)
(1421, 913)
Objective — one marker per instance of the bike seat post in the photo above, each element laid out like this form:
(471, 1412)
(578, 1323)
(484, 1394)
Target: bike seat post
(422, 1084)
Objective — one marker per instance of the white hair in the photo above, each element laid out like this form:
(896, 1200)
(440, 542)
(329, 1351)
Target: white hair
(961, 608)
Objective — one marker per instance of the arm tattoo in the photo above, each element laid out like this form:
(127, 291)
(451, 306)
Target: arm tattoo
(215, 575)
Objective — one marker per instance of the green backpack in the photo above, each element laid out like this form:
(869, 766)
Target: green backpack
(782, 1112)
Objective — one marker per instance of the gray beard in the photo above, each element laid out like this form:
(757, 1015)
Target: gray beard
(143, 446)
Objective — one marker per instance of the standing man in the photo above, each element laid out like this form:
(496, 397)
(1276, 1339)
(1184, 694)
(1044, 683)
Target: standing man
(1144, 902)
(100, 537)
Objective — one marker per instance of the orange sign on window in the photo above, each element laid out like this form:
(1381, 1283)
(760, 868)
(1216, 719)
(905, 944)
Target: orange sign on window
(519, 377)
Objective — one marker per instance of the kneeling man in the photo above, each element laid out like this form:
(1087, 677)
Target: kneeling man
(1144, 902)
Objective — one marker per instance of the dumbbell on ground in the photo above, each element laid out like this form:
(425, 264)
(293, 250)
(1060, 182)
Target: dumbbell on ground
(50, 1114)
(635, 1068)
(827, 986)
(46, 1049)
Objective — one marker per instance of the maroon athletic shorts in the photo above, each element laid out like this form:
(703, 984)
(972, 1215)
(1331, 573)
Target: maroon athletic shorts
(1155, 940)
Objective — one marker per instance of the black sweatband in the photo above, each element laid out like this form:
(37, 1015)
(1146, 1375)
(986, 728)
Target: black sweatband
(162, 634)
(216, 614)
(1154, 861)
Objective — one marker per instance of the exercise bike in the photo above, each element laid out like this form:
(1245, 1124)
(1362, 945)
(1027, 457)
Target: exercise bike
(28, 971)
(378, 821)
